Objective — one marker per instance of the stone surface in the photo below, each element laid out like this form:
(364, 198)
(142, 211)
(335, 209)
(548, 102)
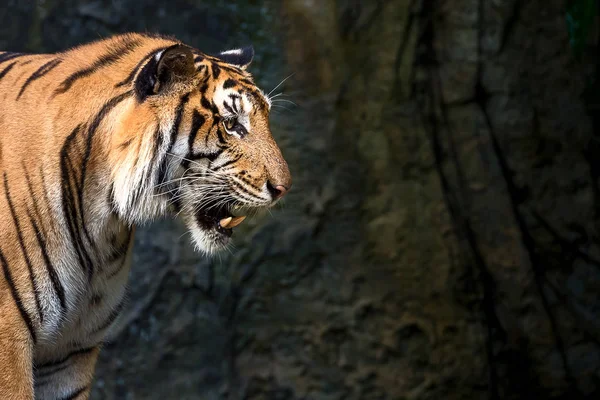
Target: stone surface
(440, 241)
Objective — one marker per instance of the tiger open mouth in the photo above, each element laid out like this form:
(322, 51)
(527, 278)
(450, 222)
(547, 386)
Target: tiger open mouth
(220, 219)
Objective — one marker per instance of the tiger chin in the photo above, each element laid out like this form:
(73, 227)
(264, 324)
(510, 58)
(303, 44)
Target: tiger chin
(94, 141)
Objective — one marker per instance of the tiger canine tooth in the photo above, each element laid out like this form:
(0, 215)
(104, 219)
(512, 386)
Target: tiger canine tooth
(236, 221)
(225, 222)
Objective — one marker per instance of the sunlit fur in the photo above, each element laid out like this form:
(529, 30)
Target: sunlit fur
(93, 141)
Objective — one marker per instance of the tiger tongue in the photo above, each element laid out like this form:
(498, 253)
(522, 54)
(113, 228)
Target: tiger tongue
(231, 222)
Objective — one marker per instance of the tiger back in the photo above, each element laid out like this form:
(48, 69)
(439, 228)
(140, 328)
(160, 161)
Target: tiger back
(93, 141)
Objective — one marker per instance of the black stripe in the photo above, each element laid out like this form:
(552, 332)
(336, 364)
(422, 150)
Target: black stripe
(243, 189)
(207, 136)
(121, 250)
(209, 105)
(216, 71)
(59, 365)
(245, 197)
(126, 144)
(116, 271)
(68, 202)
(96, 299)
(203, 89)
(205, 103)
(112, 56)
(158, 144)
(214, 108)
(228, 107)
(200, 70)
(176, 202)
(45, 374)
(210, 156)
(41, 71)
(91, 131)
(7, 70)
(58, 288)
(65, 358)
(219, 135)
(75, 394)
(137, 192)
(15, 294)
(232, 161)
(197, 121)
(133, 73)
(33, 197)
(229, 83)
(245, 180)
(111, 317)
(10, 56)
(235, 97)
(79, 192)
(56, 284)
(84, 163)
(13, 213)
(162, 170)
(68, 174)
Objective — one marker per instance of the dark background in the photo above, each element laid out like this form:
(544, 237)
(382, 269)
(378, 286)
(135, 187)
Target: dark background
(441, 238)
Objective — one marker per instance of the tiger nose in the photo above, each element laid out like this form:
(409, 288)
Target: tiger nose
(277, 191)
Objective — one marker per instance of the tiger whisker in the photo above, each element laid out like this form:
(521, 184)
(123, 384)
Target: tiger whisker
(285, 108)
(277, 95)
(194, 197)
(208, 180)
(211, 179)
(204, 186)
(185, 159)
(281, 83)
(285, 101)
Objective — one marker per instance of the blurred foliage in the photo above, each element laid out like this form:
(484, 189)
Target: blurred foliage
(580, 20)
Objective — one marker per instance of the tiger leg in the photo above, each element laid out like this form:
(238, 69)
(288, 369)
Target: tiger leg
(16, 373)
(69, 378)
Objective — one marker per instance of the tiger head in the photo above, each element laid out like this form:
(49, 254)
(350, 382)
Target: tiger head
(197, 143)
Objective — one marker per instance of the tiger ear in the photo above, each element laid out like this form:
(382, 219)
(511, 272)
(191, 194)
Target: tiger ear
(174, 64)
(241, 57)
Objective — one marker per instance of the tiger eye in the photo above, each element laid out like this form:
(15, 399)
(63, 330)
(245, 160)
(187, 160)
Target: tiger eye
(229, 124)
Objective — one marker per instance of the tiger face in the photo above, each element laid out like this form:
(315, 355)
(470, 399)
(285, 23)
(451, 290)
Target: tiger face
(213, 155)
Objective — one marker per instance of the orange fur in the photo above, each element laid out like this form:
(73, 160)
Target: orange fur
(92, 141)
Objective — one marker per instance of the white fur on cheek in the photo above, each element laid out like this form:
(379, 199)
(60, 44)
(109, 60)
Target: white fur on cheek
(135, 179)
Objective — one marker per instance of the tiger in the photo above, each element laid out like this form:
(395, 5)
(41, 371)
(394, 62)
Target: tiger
(94, 141)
